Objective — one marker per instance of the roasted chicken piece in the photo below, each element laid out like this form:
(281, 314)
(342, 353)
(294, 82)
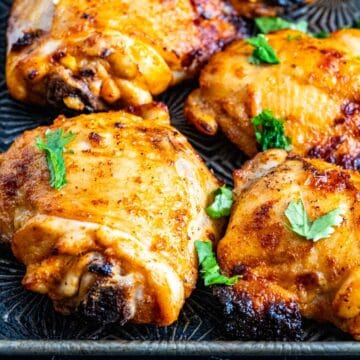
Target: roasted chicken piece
(92, 55)
(315, 88)
(283, 274)
(116, 243)
(251, 8)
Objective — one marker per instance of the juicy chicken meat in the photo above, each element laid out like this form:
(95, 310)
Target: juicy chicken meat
(251, 8)
(315, 88)
(284, 274)
(94, 54)
(117, 242)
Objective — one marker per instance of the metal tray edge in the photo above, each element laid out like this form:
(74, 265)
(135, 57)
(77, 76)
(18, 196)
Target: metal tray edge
(176, 348)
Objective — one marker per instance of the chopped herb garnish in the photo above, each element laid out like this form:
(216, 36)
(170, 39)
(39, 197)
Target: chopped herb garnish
(270, 132)
(268, 24)
(320, 228)
(222, 203)
(322, 35)
(210, 270)
(263, 52)
(54, 147)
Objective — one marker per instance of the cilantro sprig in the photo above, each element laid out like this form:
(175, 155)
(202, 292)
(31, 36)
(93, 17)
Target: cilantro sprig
(223, 199)
(269, 24)
(270, 132)
(320, 228)
(210, 270)
(54, 148)
(263, 51)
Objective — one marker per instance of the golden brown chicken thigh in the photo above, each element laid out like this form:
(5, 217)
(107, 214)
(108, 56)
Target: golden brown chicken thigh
(251, 8)
(116, 243)
(283, 274)
(91, 55)
(315, 89)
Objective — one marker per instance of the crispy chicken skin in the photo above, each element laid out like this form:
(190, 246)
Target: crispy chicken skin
(95, 54)
(251, 8)
(284, 273)
(315, 89)
(117, 242)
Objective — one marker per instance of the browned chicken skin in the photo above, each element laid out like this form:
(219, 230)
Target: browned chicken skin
(116, 243)
(251, 8)
(91, 55)
(284, 273)
(315, 88)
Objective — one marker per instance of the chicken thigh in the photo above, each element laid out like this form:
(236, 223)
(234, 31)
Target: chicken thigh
(92, 55)
(284, 274)
(315, 89)
(116, 242)
(251, 8)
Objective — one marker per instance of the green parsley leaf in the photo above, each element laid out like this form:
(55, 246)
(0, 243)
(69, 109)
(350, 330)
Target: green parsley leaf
(210, 270)
(263, 52)
(322, 35)
(54, 149)
(270, 132)
(222, 203)
(268, 24)
(320, 228)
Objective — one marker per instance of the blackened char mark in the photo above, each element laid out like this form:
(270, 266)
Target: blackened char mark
(87, 72)
(328, 152)
(350, 108)
(105, 303)
(9, 185)
(26, 40)
(101, 268)
(278, 321)
(210, 36)
(58, 89)
(349, 162)
(242, 25)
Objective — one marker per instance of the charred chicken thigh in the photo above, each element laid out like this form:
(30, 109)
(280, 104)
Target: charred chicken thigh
(283, 273)
(314, 88)
(251, 8)
(91, 55)
(116, 242)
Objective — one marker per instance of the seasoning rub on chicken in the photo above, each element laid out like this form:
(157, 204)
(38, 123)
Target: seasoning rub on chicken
(95, 54)
(312, 84)
(293, 236)
(104, 210)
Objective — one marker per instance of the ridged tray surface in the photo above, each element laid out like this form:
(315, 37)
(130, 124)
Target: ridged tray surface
(24, 315)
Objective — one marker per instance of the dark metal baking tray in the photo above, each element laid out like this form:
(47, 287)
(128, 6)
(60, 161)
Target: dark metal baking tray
(28, 324)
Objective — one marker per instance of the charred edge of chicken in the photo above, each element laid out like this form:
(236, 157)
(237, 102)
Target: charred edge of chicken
(278, 321)
(328, 152)
(26, 40)
(58, 90)
(105, 303)
(211, 40)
